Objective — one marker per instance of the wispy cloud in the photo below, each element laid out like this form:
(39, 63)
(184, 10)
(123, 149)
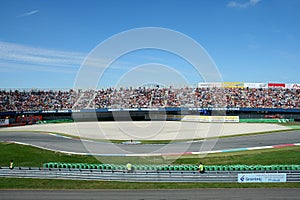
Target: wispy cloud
(26, 14)
(247, 4)
(39, 59)
(18, 57)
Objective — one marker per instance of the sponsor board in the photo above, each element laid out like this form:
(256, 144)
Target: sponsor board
(247, 85)
(216, 118)
(272, 85)
(232, 119)
(174, 117)
(196, 118)
(262, 178)
(233, 84)
(256, 85)
(218, 109)
(292, 86)
(296, 86)
(209, 84)
(4, 122)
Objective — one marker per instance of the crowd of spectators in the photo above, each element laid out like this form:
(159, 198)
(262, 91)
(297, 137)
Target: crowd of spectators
(143, 97)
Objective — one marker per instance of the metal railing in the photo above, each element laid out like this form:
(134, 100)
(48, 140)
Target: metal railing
(136, 176)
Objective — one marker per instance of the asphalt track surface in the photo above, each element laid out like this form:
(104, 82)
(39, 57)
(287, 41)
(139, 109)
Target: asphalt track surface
(65, 144)
(206, 194)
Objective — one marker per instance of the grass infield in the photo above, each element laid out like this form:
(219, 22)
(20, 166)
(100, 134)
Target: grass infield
(35, 157)
(31, 156)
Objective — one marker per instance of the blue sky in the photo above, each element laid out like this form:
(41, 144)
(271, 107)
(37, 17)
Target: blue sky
(43, 43)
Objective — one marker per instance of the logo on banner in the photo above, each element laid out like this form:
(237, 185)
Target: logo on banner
(4, 122)
(262, 177)
(242, 178)
(296, 86)
(263, 85)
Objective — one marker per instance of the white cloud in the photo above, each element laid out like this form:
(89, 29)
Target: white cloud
(39, 59)
(249, 3)
(29, 13)
(18, 57)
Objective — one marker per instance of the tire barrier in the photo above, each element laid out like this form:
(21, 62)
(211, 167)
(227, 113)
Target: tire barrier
(212, 168)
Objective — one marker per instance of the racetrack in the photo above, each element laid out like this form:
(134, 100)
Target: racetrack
(75, 146)
(226, 193)
(150, 130)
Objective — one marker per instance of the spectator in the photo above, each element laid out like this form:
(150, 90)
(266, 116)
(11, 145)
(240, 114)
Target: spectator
(143, 97)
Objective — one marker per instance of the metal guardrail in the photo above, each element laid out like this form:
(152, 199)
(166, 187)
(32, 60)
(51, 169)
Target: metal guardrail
(136, 176)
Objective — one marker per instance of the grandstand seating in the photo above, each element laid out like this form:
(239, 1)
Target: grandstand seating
(150, 97)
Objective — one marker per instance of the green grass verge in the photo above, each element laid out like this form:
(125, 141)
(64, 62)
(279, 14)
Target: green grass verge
(285, 155)
(295, 127)
(32, 156)
(9, 183)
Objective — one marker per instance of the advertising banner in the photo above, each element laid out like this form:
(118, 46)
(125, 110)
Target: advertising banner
(4, 122)
(196, 118)
(292, 86)
(256, 85)
(217, 118)
(270, 85)
(224, 119)
(296, 86)
(233, 84)
(232, 119)
(29, 119)
(262, 178)
(209, 84)
(174, 117)
(220, 119)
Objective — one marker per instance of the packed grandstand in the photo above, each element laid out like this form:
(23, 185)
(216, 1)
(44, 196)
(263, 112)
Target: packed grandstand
(205, 95)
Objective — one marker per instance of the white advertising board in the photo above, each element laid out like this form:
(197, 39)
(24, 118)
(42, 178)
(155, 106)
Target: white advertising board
(197, 118)
(292, 86)
(209, 84)
(255, 85)
(4, 122)
(262, 178)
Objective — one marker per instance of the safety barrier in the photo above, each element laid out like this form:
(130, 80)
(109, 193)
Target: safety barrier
(135, 176)
(56, 121)
(171, 167)
(266, 120)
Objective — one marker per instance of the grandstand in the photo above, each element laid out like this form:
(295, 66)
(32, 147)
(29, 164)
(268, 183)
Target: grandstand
(246, 100)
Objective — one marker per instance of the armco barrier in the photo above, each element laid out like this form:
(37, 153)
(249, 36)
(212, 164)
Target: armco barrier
(266, 120)
(56, 121)
(136, 176)
(171, 167)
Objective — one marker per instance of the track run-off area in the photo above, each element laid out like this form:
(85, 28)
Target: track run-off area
(43, 136)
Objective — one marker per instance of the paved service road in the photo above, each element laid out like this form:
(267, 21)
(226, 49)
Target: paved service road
(206, 194)
(58, 143)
